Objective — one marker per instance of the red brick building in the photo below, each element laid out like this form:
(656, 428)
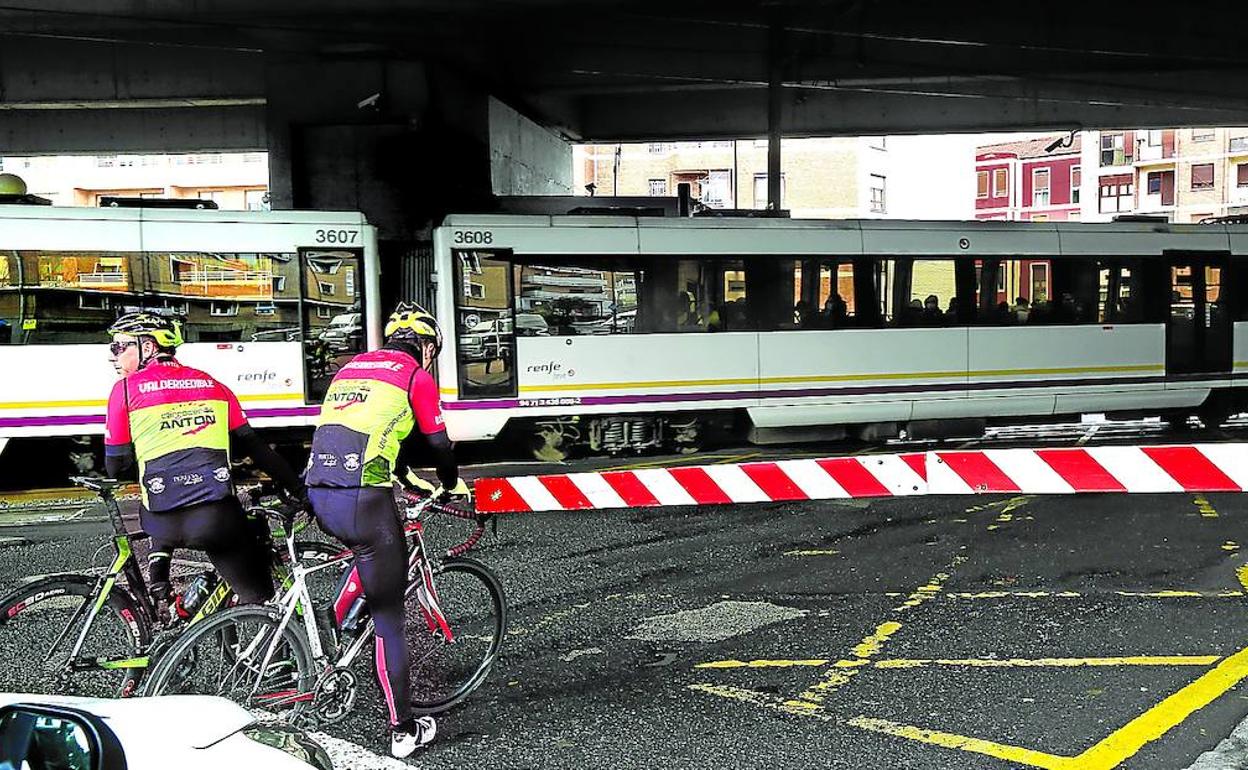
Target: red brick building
(1023, 181)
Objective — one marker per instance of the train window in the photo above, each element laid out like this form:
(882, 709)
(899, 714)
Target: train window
(1008, 290)
(924, 292)
(60, 297)
(485, 325)
(71, 297)
(332, 325)
(696, 295)
(1120, 300)
(558, 297)
(824, 296)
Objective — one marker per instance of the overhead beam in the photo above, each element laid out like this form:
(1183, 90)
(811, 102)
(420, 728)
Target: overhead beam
(52, 132)
(829, 108)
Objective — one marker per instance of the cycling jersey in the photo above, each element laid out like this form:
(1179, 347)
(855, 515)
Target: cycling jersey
(179, 421)
(371, 406)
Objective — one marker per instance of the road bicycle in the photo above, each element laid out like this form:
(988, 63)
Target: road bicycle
(96, 634)
(278, 659)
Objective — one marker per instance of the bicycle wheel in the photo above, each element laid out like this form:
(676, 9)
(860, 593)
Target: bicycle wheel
(471, 600)
(232, 654)
(41, 621)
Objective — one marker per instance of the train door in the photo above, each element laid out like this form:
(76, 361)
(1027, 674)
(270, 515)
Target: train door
(1198, 326)
(486, 325)
(332, 321)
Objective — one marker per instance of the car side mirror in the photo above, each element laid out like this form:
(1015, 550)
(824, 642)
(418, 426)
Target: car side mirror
(54, 737)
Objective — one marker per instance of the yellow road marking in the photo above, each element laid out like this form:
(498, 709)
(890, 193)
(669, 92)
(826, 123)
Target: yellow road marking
(1230, 546)
(761, 663)
(1007, 506)
(1206, 510)
(1242, 574)
(929, 591)
(1166, 594)
(813, 552)
(844, 670)
(1138, 660)
(761, 699)
(875, 642)
(963, 743)
(1158, 720)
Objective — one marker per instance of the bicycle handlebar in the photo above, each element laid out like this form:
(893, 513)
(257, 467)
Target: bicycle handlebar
(425, 502)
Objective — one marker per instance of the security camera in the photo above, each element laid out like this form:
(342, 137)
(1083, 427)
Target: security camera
(370, 102)
(1053, 145)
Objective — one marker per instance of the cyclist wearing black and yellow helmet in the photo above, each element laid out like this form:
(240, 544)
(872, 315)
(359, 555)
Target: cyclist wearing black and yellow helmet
(380, 412)
(182, 426)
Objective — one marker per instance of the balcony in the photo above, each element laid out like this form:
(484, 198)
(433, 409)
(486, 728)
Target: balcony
(1153, 204)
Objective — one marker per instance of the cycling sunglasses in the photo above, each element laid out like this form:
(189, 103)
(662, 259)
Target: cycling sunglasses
(117, 348)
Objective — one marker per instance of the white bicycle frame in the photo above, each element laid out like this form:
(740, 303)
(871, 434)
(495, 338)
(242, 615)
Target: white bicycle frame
(297, 594)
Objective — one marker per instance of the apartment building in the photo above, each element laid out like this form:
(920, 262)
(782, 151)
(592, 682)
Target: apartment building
(1036, 179)
(1184, 175)
(236, 181)
(828, 178)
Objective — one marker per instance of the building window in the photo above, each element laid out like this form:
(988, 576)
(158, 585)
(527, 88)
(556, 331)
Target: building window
(279, 284)
(256, 200)
(269, 309)
(1000, 182)
(1154, 183)
(324, 311)
(1202, 176)
(1154, 138)
(981, 184)
(1115, 195)
(1241, 175)
(1040, 187)
(476, 290)
(658, 187)
(1076, 181)
(1114, 150)
(223, 308)
(1202, 134)
(348, 281)
(93, 302)
(327, 289)
(878, 203)
(760, 191)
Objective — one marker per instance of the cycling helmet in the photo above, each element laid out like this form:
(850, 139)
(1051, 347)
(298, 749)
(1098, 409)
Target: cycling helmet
(409, 321)
(166, 332)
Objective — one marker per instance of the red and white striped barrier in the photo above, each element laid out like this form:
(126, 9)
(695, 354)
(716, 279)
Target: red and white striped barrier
(840, 477)
(1193, 468)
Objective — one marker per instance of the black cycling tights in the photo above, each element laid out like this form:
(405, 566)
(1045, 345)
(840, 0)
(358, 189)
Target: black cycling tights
(366, 521)
(220, 529)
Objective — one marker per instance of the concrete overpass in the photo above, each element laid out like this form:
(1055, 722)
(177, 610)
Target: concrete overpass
(395, 107)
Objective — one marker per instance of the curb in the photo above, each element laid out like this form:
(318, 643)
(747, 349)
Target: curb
(1231, 753)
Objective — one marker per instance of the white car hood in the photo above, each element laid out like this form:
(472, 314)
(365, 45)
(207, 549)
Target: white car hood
(197, 721)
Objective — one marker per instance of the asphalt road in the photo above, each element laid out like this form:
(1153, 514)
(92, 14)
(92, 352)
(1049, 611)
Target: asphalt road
(991, 632)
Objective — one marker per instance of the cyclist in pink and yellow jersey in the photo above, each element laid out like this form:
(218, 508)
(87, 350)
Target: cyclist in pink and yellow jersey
(380, 409)
(180, 425)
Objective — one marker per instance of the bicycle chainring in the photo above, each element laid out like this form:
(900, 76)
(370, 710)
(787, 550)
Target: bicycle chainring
(335, 696)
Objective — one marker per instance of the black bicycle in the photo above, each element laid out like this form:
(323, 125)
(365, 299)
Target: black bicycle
(97, 634)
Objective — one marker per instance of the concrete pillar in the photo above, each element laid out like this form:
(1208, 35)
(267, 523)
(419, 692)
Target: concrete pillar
(405, 142)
